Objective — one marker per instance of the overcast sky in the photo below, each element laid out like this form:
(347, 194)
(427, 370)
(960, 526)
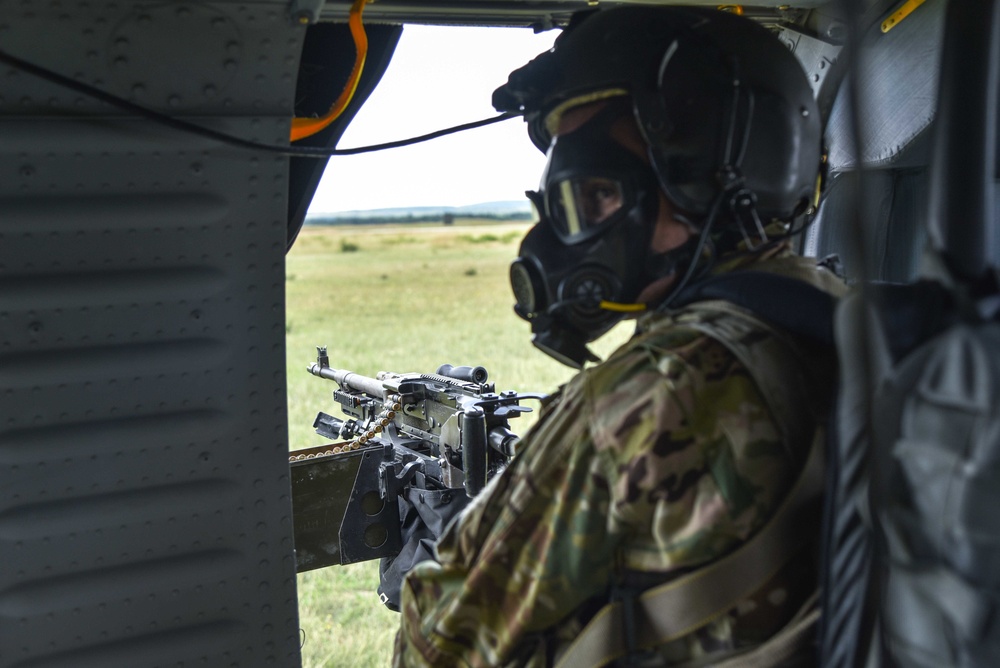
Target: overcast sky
(439, 77)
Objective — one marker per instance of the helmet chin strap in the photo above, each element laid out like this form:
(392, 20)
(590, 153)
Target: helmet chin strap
(741, 202)
(733, 152)
(693, 265)
(731, 190)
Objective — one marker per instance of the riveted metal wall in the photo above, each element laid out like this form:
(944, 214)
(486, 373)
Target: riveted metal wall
(145, 517)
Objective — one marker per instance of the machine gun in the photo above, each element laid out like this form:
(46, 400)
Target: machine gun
(442, 431)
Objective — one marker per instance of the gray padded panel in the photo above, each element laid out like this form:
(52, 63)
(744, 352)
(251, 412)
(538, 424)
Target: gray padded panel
(899, 87)
(898, 90)
(145, 517)
(894, 211)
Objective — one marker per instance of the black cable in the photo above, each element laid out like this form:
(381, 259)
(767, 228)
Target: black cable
(193, 128)
(693, 266)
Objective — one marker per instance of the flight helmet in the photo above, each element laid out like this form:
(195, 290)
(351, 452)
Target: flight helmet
(725, 108)
(733, 141)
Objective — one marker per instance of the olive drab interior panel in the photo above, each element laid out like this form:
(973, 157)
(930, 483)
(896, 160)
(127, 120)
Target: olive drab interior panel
(145, 517)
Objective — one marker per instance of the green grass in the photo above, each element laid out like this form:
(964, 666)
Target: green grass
(401, 299)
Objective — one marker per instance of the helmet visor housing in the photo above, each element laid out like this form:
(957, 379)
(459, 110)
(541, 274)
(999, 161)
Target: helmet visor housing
(723, 106)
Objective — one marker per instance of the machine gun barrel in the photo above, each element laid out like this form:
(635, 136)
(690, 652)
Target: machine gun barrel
(344, 378)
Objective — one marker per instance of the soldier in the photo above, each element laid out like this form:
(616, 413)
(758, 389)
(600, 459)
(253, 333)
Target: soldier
(659, 512)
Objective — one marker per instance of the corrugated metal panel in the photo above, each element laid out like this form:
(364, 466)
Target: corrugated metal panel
(145, 517)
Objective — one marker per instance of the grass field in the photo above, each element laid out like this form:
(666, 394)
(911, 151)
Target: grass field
(401, 299)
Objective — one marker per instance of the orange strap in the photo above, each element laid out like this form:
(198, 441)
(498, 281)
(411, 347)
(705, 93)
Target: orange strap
(306, 127)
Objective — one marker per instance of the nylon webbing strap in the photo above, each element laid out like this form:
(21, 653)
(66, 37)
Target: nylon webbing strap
(680, 606)
(786, 645)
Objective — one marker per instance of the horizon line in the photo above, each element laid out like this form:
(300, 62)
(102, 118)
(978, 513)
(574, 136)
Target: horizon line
(518, 205)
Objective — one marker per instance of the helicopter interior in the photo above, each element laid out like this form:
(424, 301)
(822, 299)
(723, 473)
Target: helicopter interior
(149, 193)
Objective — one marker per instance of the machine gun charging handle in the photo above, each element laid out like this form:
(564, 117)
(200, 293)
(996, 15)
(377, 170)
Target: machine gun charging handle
(474, 444)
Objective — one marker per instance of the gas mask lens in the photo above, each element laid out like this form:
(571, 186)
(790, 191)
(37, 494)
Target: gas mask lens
(583, 205)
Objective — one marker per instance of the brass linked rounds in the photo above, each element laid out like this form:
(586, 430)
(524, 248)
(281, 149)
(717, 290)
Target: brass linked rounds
(377, 425)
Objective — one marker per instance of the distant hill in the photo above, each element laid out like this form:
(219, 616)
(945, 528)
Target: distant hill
(519, 210)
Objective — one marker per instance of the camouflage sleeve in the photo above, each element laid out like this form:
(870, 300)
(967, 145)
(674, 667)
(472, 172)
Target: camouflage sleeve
(663, 455)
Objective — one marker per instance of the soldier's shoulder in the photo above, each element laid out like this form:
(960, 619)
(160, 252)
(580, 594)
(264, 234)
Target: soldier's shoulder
(663, 381)
(671, 346)
(807, 270)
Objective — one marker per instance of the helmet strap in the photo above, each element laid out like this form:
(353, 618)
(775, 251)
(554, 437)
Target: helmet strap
(696, 266)
(743, 206)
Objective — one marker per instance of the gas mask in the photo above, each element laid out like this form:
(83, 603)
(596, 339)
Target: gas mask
(582, 266)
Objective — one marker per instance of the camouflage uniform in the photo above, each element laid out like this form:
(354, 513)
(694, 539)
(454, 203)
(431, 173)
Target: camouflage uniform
(661, 458)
